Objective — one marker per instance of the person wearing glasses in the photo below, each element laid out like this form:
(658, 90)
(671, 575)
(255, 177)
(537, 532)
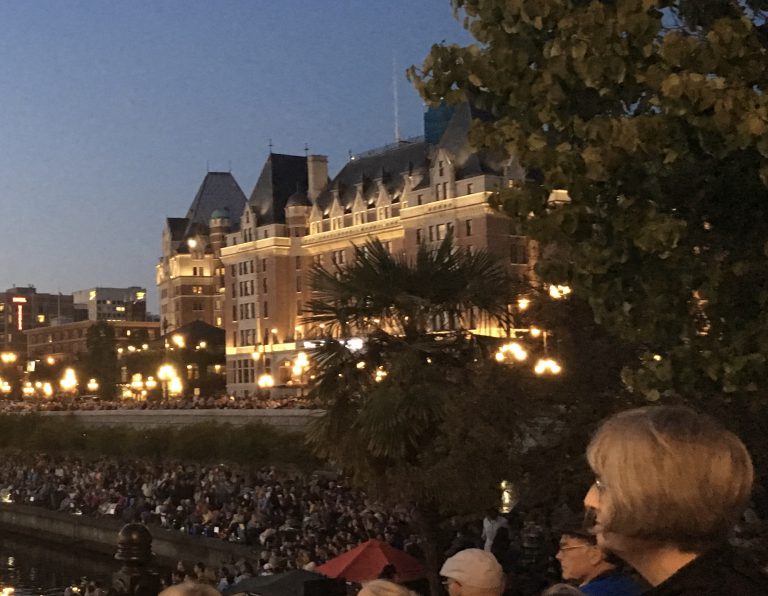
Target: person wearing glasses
(596, 572)
(473, 572)
(671, 484)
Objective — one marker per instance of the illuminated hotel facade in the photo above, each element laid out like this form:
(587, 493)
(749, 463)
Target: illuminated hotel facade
(410, 193)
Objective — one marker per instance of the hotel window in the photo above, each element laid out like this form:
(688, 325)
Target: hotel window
(431, 233)
(264, 284)
(440, 170)
(437, 192)
(419, 199)
(263, 265)
(232, 270)
(419, 236)
(440, 231)
(266, 310)
(252, 267)
(519, 253)
(468, 227)
(298, 283)
(469, 189)
(298, 263)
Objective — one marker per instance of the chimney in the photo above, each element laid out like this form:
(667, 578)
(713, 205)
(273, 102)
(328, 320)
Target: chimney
(317, 175)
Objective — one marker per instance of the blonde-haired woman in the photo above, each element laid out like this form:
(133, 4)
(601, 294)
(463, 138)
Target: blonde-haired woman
(382, 587)
(670, 484)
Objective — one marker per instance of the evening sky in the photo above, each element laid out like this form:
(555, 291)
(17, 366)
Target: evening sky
(112, 112)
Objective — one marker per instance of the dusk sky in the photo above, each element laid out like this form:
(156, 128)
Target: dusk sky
(111, 113)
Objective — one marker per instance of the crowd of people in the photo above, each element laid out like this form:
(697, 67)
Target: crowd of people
(67, 403)
(291, 521)
(670, 500)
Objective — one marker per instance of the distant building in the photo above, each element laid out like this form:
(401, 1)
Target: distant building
(66, 341)
(189, 275)
(22, 309)
(406, 194)
(110, 304)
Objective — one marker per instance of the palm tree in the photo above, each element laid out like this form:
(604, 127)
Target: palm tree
(386, 403)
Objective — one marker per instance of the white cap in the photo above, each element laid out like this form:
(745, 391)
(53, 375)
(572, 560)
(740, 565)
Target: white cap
(474, 567)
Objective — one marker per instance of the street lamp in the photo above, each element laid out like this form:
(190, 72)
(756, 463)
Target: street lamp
(93, 386)
(68, 382)
(266, 381)
(8, 357)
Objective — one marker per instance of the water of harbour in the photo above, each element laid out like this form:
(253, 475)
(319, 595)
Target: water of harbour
(32, 568)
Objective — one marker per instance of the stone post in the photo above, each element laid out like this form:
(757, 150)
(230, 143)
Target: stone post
(134, 550)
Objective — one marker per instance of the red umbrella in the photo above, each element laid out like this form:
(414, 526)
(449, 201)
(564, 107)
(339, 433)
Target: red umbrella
(365, 562)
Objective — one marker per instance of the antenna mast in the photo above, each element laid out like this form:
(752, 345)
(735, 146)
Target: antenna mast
(394, 90)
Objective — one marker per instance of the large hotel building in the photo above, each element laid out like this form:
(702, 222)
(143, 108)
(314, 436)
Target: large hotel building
(248, 269)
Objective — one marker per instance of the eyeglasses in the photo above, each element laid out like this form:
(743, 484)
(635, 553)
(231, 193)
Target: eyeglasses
(448, 581)
(562, 549)
(599, 485)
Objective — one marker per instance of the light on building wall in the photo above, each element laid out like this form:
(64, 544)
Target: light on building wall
(523, 303)
(47, 389)
(8, 357)
(535, 331)
(50, 361)
(178, 340)
(93, 385)
(192, 243)
(150, 383)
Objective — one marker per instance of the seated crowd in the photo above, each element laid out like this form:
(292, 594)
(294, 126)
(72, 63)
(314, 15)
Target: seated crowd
(290, 520)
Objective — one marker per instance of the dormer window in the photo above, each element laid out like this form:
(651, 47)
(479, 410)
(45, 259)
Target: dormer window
(440, 169)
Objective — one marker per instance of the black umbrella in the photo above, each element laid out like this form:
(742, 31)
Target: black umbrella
(293, 583)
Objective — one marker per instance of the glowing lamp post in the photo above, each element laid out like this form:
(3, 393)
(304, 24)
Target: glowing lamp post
(92, 385)
(8, 358)
(175, 387)
(68, 382)
(166, 373)
(547, 366)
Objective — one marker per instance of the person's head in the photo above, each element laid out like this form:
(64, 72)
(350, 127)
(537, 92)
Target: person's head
(666, 476)
(581, 559)
(473, 572)
(190, 589)
(382, 587)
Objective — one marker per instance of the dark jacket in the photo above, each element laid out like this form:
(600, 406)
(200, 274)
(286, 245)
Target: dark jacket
(612, 584)
(720, 572)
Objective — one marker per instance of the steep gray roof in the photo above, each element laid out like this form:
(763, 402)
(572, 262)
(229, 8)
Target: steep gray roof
(281, 177)
(467, 161)
(390, 166)
(448, 129)
(219, 190)
(177, 225)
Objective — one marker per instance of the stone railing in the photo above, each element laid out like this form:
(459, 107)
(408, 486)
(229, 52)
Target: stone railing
(289, 420)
